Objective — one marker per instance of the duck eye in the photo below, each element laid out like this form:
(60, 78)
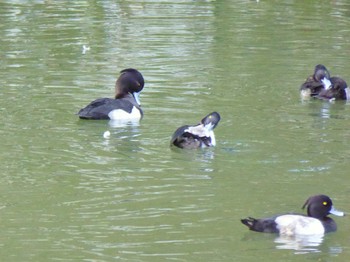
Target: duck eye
(325, 203)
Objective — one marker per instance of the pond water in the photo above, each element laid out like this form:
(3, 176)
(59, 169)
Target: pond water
(69, 194)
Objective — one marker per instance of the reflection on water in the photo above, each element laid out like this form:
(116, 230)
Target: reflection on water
(305, 244)
(301, 244)
(327, 110)
(129, 196)
(122, 123)
(324, 112)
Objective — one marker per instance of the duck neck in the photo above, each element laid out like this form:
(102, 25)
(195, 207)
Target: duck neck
(121, 95)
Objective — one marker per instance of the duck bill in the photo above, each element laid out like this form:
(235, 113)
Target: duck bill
(335, 212)
(137, 97)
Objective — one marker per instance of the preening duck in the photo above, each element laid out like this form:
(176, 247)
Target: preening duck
(197, 136)
(125, 105)
(338, 90)
(315, 83)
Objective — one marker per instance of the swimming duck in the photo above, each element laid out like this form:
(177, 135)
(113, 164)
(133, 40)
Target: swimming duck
(315, 223)
(315, 83)
(197, 136)
(125, 105)
(338, 90)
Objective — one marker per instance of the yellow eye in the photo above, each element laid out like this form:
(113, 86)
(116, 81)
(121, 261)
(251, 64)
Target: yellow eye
(325, 203)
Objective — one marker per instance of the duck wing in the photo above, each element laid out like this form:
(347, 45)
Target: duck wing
(100, 108)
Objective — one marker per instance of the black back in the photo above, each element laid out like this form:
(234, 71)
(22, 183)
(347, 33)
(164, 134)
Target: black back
(100, 108)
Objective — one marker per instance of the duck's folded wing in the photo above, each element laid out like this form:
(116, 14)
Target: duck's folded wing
(100, 108)
(183, 139)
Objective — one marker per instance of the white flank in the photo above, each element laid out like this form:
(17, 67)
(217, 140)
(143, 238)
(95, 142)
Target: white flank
(291, 225)
(198, 130)
(347, 93)
(203, 131)
(212, 136)
(119, 114)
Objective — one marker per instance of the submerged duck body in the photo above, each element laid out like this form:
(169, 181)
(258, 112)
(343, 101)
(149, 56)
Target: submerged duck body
(125, 105)
(315, 83)
(197, 136)
(316, 222)
(338, 90)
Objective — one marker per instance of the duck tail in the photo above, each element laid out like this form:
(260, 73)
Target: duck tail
(249, 222)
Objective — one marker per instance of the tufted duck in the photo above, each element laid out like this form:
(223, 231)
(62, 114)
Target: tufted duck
(315, 223)
(125, 105)
(197, 136)
(315, 83)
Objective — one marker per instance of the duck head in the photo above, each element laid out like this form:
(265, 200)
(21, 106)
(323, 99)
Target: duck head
(130, 81)
(211, 121)
(320, 73)
(319, 206)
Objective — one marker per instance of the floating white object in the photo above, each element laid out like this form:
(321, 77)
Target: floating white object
(85, 49)
(106, 134)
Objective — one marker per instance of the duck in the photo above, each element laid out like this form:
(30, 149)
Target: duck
(197, 136)
(126, 103)
(338, 90)
(315, 83)
(316, 222)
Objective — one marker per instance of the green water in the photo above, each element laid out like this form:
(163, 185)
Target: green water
(68, 194)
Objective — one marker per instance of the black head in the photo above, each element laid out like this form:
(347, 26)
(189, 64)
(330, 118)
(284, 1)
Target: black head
(212, 119)
(130, 81)
(319, 206)
(320, 73)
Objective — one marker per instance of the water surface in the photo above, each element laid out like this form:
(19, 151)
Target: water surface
(69, 194)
